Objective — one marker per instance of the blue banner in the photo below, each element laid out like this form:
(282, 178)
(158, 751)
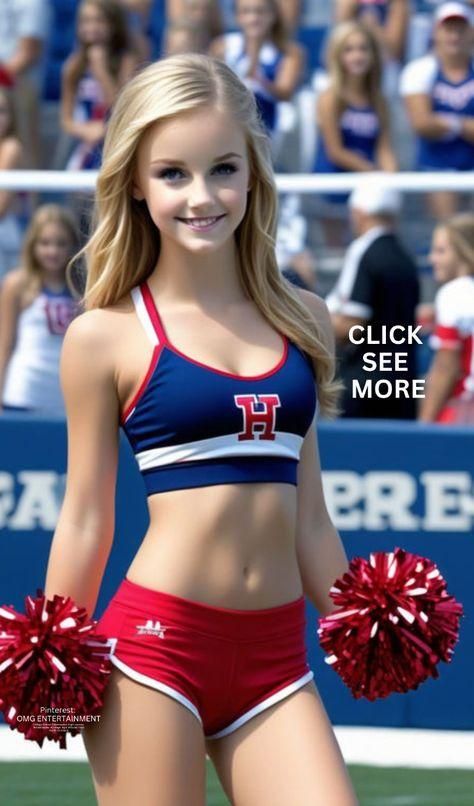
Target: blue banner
(386, 484)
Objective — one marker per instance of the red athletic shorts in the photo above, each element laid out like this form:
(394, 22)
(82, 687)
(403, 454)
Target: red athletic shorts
(225, 665)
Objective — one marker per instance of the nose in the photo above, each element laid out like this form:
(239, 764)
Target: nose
(200, 194)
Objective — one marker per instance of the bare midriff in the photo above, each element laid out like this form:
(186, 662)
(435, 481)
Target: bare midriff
(228, 545)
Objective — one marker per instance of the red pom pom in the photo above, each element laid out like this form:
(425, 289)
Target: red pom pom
(395, 622)
(51, 658)
(6, 78)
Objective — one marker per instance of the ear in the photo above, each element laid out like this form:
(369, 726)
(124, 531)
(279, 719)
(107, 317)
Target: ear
(137, 193)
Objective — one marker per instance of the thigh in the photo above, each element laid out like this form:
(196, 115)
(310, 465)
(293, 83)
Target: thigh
(147, 748)
(286, 754)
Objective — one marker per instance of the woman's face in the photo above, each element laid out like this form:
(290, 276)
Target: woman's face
(356, 56)
(193, 173)
(53, 248)
(443, 258)
(198, 11)
(93, 27)
(5, 115)
(254, 17)
(453, 37)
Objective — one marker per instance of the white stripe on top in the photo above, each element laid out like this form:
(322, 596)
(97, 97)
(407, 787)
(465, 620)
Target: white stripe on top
(285, 445)
(143, 314)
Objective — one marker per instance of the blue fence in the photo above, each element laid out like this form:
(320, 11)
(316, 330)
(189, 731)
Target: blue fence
(386, 485)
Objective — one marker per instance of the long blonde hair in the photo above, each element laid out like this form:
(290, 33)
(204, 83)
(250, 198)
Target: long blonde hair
(460, 230)
(32, 270)
(124, 247)
(373, 78)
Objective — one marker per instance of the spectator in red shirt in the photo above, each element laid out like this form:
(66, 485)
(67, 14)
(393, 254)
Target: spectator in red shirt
(449, 392)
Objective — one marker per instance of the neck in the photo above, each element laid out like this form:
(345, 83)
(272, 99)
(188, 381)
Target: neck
(54, 281)
(191, 278)
(370, 222)
(355, 84)
(464, 271)
(455, 62)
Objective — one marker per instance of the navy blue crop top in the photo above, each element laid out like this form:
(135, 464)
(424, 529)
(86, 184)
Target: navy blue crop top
(192, 425)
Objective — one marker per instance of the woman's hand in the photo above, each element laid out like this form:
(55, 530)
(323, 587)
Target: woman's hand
(254, 46)
(93, 132)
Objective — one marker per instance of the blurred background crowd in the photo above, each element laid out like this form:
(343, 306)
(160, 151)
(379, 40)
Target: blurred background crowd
(342, 86)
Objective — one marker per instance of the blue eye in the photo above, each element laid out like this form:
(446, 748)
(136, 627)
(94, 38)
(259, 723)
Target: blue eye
(173, 174)
(170, 173)
(225, 168)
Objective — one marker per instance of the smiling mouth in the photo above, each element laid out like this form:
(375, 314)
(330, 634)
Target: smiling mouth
(201, 222)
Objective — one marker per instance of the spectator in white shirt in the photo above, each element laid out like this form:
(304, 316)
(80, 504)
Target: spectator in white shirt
(24, 27)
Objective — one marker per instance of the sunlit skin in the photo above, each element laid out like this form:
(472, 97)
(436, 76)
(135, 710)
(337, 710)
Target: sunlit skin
(356, 57)
(443, 258)
(193, 174)
(53, 248)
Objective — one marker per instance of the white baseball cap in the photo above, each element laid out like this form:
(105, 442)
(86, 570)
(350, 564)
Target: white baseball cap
(452, 10)
(373, 198)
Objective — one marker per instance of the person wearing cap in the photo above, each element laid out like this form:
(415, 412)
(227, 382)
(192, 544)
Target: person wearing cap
(438, 90)
(378, 286)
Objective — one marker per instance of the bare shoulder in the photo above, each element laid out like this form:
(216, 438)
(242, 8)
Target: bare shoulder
(88, 368)
(71, 63)
(95, 330)
(294, 49)
(327, 99)
(96, 340)
(10, 152)
(13, 284)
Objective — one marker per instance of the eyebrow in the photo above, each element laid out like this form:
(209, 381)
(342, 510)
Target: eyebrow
(180, 162)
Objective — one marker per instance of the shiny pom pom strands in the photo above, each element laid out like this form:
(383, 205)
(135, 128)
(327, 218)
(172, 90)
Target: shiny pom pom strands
(395, 621)
(53, 668)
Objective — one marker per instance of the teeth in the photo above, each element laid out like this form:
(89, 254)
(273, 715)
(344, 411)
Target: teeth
(201, 222)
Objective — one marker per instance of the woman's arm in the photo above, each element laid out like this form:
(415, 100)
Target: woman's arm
(385, 156)
(27, 52)
(425, 122)
(321, 555)
(328, 120)
(10, 158)
(345, 10)
(84, 532)
(394, 32)
(10, 295)
(90, 131)
(467, 128)
(444, 372)
(288, 76)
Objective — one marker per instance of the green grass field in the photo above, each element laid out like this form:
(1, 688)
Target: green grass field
(69, 784)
